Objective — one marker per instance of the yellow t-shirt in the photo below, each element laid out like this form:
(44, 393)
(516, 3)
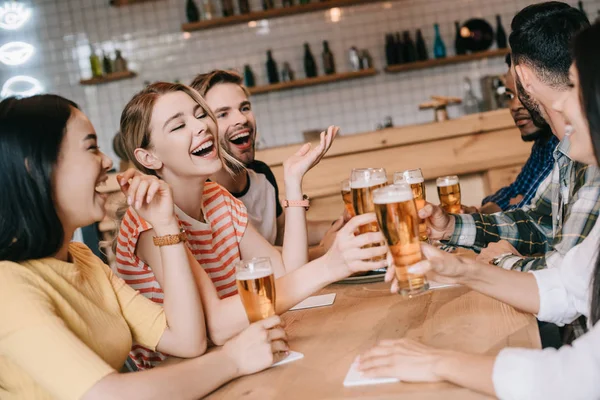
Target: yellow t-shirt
(64, 326)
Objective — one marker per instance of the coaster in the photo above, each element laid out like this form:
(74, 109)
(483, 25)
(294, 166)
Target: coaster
(355, 378)
(293, 356)
(315, 301)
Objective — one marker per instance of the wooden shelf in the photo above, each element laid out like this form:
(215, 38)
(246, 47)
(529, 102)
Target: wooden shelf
(392, 69)
(115, 76)
(343, 76)
(269, 14)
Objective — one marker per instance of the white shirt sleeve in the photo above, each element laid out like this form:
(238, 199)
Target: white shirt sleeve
(565, 289)
(572, 372)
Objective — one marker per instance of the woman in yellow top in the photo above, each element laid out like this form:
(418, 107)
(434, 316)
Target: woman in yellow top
(67, 323)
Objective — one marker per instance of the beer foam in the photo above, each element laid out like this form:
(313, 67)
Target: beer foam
(447, 181)
(393, 194)
(415, 179)
(247, 275)
(367, 183)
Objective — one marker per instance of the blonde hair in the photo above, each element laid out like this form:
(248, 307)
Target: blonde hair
(136, 117)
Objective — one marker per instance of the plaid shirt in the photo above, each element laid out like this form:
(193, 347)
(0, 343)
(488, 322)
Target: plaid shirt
(560, 216)
(536, 169)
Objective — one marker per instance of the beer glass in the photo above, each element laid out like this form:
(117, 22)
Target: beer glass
(347, 197)
(256, 287)
(397, 217)
(449, 192)
(414, 177)
(363, 181)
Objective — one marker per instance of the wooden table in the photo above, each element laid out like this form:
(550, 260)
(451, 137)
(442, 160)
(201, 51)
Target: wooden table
(331, 337)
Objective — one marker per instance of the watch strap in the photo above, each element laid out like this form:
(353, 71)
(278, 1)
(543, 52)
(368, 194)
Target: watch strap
(168, 240)
(305, 202)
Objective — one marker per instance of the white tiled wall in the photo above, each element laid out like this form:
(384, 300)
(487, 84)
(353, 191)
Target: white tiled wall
(151, 39)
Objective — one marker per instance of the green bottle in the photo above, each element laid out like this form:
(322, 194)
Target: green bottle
(95, 63)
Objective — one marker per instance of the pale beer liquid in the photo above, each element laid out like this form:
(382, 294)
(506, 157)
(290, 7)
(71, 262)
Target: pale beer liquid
(418, 190)
(450, 198)
(400, 226)
(362, 202)
(258, 294)
(347, 197)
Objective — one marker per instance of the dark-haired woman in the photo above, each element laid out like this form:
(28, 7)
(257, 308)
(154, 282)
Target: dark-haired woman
(67, 323)
(557, 295)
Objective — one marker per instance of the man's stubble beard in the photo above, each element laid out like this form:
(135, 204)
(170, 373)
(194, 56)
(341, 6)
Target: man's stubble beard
(530, 105)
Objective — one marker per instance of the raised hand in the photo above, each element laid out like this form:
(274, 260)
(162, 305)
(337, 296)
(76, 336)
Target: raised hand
(307, 157)
(258, 346)
(151, 197)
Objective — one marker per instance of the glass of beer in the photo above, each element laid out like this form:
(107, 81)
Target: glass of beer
(397, 217)
(256, 286)
(363, 181)
(347, 197)
(448, 189)
(414, 177)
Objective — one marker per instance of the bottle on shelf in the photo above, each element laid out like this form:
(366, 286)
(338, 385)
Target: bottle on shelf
(287, 3)
(580, 4)
(471, 104)
(107, 64)
(354, 59)
(120, 64)
(249, 80)
(439, 48)
(366, 61)
(191, 11)
(328, 61)
(244, 6)
(287, 73)
(304, 1)
(399, 50)
(95, 63)
(268, 4)
(390, 50)
(408, 48)
(310, 66)
(272, 71)
(422, 53)
(227, 8)
(209, 9)
(459, 42)
(500, 34)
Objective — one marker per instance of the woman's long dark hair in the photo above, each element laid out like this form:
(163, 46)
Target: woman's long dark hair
(587, 62)
(31, 133)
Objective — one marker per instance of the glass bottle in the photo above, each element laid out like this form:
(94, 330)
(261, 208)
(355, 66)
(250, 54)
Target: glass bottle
(272, 71)
(328, 61)
(390, 49)
(310, 66)
(354, 58)
(120, 64)
(244, 6)
(249, 80)
(191, 11)
(459, 43)
(227, 8)
(107, 65)
(408, 47)
(268, 4)
(439, 48)
(209, 9)
(95, 63)
(399, 49)
(422, 53)
(500, 34)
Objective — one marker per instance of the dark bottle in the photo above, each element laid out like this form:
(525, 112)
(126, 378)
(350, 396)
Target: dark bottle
(580, 4)
(287, 74)
(399, 50)
(439, 48)
(422, 54)
(390, 50)
(272, 72)
(227, 8)
(287, 3)
(268, 4)
(459, 42)
(310, 66)
(249, 80)
(244, 6)
(500, 34)
(191, 11)
(328, 61)
(304, 1)
(408, 48)
(107, 64)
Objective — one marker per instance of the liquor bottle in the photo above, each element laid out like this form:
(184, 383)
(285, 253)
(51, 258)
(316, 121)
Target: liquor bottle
(439, 48)
(366, 61)
(227, 8)
(580, 4)
(287, 74)
(95, 63)
(287, 3)
(249, 80)
(390, 50)
(459, 43)
(107, 65)
(120, 64)
(500, 34)
(310, 66)
(272, 72)
(244, 6)
(409, 51)
(328, 61)
(191, 11)
(354, 58)
(422, 54)
(268, 4)
(209, 9)
(304, 1)
(399, 50)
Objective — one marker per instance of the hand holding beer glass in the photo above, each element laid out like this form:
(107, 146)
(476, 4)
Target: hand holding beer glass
(347, 197)
(256, 286)
(363, 181)
(414, 177)
(449, 191)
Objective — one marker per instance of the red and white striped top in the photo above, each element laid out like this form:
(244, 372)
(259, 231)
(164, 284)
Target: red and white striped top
(215, 244)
